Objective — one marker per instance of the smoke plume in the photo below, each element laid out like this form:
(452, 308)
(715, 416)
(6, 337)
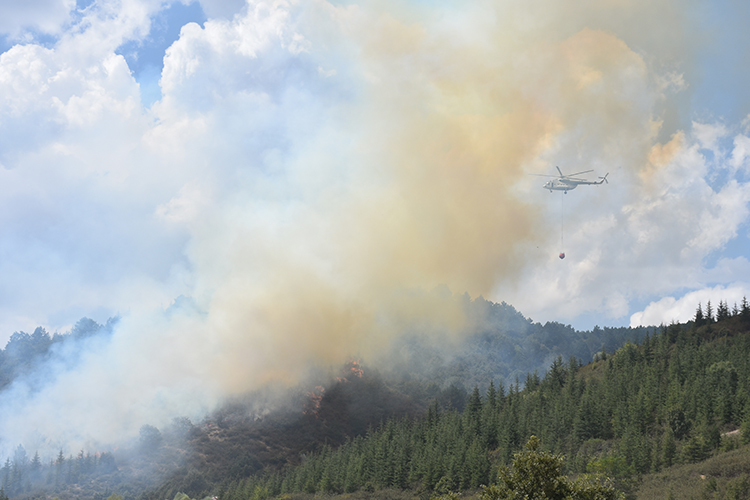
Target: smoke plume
(313, 179)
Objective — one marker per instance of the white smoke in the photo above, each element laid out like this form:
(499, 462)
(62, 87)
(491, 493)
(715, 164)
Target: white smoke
(312, 170)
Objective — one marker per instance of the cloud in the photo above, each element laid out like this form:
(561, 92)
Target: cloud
(707, 135)
(741, 152)
(77, 207)
(669, 309)
(313, 172)
(46, 16)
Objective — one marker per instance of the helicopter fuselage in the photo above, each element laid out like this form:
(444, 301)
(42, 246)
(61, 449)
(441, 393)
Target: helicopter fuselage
(558, 185)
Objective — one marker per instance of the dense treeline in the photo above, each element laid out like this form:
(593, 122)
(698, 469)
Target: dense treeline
(139, 466)
(665, 400)
(22, 474)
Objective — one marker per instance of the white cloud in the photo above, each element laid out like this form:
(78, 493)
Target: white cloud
(708, 134)
(741, 152)
(726, 270)
(47, 16)
(669, 309)
(79, 190)
(208, 64)
(723, 213)
(185, 207)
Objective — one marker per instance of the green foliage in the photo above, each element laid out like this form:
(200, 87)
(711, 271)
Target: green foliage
(722, 476)
(738, 488)
(594, 487)
(695, 450)
(616, 467)
(669, 447)
(745, 429)
(451, 495)
(537, 475)
(698, 320)
(645, 408)
(533, 474)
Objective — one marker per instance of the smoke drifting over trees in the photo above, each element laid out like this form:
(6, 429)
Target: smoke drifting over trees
(420, 400)
(41, 371)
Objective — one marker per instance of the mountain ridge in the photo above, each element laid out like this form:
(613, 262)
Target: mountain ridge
(504, 346)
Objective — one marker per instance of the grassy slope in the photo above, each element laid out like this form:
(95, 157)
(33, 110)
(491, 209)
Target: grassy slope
(711, 478)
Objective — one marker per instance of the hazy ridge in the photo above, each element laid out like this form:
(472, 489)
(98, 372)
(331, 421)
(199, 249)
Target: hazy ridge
(272, 427)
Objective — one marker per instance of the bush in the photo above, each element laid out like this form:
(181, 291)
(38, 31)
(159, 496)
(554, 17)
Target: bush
(536, 474)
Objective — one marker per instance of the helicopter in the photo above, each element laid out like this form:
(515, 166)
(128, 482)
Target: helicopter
(567, 182)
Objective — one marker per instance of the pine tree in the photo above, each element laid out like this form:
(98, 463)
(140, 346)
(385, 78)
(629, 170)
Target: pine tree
(745, 429)
(473, 412)
(722, 312)
(695, 449)
(492, 396)
(490, 418)
(36, 467)
(669, 447)
(699, 320)
(6, 470)
(59, 468)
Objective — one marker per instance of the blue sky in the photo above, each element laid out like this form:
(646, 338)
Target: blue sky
(145, 57)
(307, 172)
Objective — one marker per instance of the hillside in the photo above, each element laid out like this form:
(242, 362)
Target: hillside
(234, 442)
(656, 402)
(725, 475)
(666, 401)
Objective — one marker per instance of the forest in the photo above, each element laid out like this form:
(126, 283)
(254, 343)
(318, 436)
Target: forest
(667, 397)
(676, 397)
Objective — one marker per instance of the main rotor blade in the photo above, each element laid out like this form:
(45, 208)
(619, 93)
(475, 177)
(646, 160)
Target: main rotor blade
(579, 173)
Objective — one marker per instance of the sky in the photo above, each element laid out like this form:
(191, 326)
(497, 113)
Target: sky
(254, 185)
